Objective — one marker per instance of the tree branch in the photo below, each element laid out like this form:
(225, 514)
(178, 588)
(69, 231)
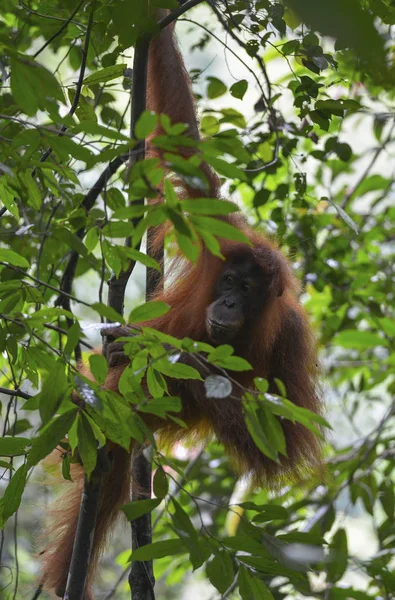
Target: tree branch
(16, 392)
(173, 16)
(79, 565)
(80, 82)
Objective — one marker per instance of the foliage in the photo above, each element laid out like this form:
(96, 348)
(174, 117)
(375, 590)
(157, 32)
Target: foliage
(302, 174)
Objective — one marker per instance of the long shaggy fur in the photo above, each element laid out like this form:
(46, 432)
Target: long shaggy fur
(281, 346)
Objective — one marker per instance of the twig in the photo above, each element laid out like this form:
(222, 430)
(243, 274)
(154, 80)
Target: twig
(366, 172)
(60, 30)
(45, 284)
(65, 332)
(267, 97)
(249, 69)
(80, 82)
(117, 584)
(37, 593)
(242, 44)
(177, 12)
(52, 17)
(16, 392)
(87, 203)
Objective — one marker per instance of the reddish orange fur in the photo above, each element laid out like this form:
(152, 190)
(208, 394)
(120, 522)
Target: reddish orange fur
(281, 346)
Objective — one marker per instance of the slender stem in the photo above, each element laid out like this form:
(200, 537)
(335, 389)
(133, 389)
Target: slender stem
(59, 31)
(177, 12)
(18, 393)
(78, 572)
(80, 82)
(141, 577)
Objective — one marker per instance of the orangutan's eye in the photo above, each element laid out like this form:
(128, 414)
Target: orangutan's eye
(228, 280)
(246, 288)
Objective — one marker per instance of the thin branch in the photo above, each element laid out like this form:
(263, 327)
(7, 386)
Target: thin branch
(173, 16)
(212, 34)
(113, 591)
(267, 97)
(17, 393)
(366, 172)
(37, 593)
(60, 30)
(65, 332)
(80, 82)
(242, 45)
(87, 203)
(52, 17)
(45, 284)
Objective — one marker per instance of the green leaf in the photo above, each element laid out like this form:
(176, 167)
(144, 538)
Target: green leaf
(239, 88)
(144, 259)
(148, 311)
(156, 383)
(252, 588)
(209, 125)
(265, 152)
(73, 336)
(14, 446)
(12, 258)
(106, 74)
(87, 445)
(373, 183)
(352, 26)
(338, 556)
(209, 206)
(220, 571)
(160, 549)
(233, 363)
(32, 85)
(388, 326)
(170, 193)
(17, 427)
(117, 229)
(265, 430)
(99, 368)
(161, 483)
(161, 406)
(145, 125)
(290, 47)
(226, 168)
(70, 239)
(177, 370)
(134, 510)
(53, 391)
(387, 498)
(346, 218)
(109, 313)
(183, 526)
(34, 194)
(13, 493)
(216, 88)
(233, 116)
(50, 437)
(337, 107)
(361, 340)
(270, 512)
(220, 228)
(66, 467)
(189, 248)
